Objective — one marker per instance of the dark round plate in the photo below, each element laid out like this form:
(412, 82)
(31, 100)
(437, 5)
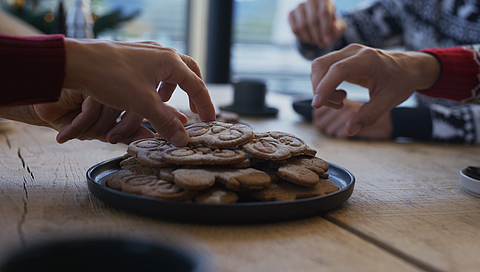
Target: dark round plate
(248, 212)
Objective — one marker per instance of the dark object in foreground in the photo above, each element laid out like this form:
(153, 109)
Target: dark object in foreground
(104, 254)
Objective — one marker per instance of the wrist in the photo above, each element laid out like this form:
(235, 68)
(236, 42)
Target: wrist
(426, 70)
(79, 67)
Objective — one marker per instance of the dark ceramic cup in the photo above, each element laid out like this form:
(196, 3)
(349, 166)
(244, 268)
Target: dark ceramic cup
(249, 99)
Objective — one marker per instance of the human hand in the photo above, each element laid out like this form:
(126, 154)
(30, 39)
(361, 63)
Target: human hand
(332, 122)
(77, 115)
(315, 22)
(391, 77)
(125, 76)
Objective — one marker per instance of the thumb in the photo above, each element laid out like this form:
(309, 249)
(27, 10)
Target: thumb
(367, 115)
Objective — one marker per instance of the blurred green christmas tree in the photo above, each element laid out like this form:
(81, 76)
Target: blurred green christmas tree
(51, 20)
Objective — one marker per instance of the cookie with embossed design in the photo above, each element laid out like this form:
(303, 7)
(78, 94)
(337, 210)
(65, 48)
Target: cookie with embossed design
(285, 191)
(115, 180)
(149, 151)
(218, 134)
(239, 180)
(303, 170)
(147, 144)
(163, 189)
(202, 156)
(275, 146)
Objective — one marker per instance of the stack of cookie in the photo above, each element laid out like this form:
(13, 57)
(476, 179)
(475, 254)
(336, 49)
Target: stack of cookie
(223, 163)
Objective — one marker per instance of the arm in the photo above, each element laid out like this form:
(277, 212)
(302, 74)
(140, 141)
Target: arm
(31, 69)
(460, 78)
(120, 76)
(391, 78)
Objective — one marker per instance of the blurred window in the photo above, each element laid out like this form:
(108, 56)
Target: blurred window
(163, 21)
(264, 45)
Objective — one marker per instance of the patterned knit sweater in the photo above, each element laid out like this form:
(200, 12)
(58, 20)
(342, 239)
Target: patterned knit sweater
(417, 25)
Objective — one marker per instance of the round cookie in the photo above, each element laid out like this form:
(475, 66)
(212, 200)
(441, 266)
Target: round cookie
(148, 151)
(193, 179)
(202, 156)
(218, 134)
(275, 146)
(166, 190)
(285, 191)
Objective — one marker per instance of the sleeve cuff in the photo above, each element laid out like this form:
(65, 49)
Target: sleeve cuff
(414, 123)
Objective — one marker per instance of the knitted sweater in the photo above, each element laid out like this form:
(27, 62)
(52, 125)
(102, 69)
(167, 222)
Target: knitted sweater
(32, 69)
(416, 25)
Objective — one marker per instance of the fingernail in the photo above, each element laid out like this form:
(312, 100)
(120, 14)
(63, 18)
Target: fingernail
(315, 101)
(115, 139)
(355, 129)
(179, 138)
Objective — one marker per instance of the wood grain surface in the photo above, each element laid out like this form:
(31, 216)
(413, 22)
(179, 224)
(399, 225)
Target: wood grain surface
(407, 212)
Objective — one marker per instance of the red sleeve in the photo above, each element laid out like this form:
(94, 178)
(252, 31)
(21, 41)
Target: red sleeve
(32, 69)
(460, 76)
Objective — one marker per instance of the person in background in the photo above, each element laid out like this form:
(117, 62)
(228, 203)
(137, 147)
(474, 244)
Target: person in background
(391, 77)
(81, 87)
(413, 25)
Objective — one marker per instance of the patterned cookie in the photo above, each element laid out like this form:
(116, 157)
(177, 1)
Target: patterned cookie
(115, 180)
(147, 144)
(286, 191)
(202, 156)
(218, 134)
(216, 195)
(303, 170)
(149, 151)
(193, 179)
(166, 173)
(128, 160)
(166, 190)
(275, 146)
(242, 179)
(153, 186)
(238, 180)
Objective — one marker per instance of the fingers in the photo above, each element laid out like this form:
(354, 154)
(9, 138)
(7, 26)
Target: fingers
(128, 128)
(331, 70)
(166, 90)
(90, 113)
(315, 22)
(368, 114)
(171, 129)
(192, 84)
(326, 15)
(298, 24)
(330, 122)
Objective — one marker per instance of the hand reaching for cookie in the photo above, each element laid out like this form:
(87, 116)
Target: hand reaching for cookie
(391, 77)
(125, 76)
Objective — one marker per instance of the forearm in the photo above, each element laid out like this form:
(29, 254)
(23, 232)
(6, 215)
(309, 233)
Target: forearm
(24, 114)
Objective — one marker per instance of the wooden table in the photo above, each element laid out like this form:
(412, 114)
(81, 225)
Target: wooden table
(407, 212)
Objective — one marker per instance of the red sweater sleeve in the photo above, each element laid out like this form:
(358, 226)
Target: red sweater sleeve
(32, 69)
(460, 76)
